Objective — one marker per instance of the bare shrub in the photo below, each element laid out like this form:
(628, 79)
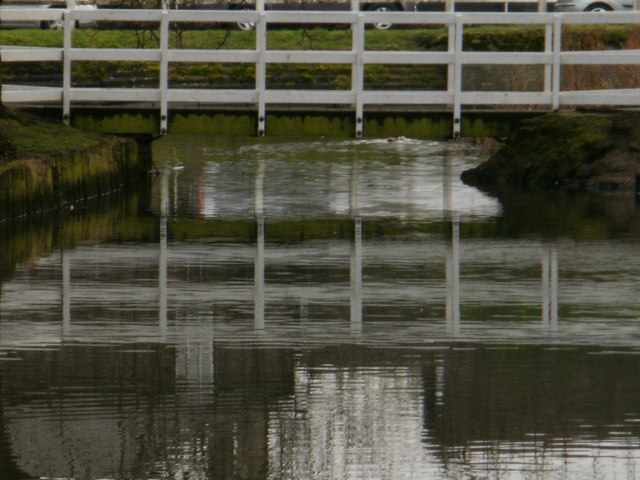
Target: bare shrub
(596, 77)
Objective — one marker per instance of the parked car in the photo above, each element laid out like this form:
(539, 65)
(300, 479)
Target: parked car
(592, 5)
(45, 24)
(316, 5)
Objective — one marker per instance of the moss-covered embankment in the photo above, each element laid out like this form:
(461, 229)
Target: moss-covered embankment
(588, 151)
(44, 166)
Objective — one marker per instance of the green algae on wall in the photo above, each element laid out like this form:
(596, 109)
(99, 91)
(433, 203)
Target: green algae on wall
(311, 125)
(429, 124)
(117, 123)
(592, 151)
(434, 126)
(31, 185)
(213, 123)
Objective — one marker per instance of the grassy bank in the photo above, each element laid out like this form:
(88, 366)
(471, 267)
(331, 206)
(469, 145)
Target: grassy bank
(44, 166)
(480, 38)
(596, 151)
(30, 137)
(410, 77)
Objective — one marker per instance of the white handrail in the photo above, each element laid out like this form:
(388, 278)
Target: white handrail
(357, 98)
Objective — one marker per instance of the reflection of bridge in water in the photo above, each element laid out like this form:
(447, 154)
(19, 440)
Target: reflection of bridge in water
(229, 358)
(205, 310)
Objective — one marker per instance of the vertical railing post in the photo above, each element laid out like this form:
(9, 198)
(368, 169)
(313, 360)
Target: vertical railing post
(261, 67)
(451, 40)
(457, 73)
(548, 48)
(557, 47)
(358, 73)
(164, 71)
(357, 68)
(66, 67)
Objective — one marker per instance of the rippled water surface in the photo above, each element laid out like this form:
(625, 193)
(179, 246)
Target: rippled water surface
(289, 309)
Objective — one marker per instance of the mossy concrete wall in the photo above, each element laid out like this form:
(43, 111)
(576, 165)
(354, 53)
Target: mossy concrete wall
(431, 125)
(35, 185)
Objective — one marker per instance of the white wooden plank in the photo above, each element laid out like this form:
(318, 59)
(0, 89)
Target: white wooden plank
(214, 16)
(601, 57)
(31, 95)
(30, 14)
(627, 97)
(309, 56)
(119, 15)
(505, 98)
(397, 18)
(407, 58)
(610, 18)
(30, 54)
(274, 16)
(510, 18)
(222, 56)
(115, 95)
(305, 97)
(426, 97)
(410, 18)
(506, 58)
(223, 96)
(116, 54)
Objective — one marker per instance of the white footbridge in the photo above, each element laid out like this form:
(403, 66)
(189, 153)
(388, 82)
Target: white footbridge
(358, 99)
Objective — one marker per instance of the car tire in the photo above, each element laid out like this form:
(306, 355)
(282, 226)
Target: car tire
(245, 26)
(598, 7)
(383, 8)
(53, 25)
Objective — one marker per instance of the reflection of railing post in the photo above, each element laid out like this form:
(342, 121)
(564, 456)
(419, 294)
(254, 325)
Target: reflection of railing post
(356, 278)
(353, 188)
(453, 279)
(453, 249)
(66, 294)
(550, 288)
(162, 264)
(259, 276)
(259, 286)
(554, 288)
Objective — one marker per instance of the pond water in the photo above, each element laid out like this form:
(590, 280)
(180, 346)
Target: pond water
(295, 309)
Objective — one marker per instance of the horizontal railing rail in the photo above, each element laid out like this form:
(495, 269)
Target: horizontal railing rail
(552, 58)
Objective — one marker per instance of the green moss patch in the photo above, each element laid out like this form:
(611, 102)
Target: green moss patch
(584, 150)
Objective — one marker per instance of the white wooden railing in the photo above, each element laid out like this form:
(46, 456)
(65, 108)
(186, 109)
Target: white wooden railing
(357, 98)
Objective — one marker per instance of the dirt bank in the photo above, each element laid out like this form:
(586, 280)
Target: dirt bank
(586, 151)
